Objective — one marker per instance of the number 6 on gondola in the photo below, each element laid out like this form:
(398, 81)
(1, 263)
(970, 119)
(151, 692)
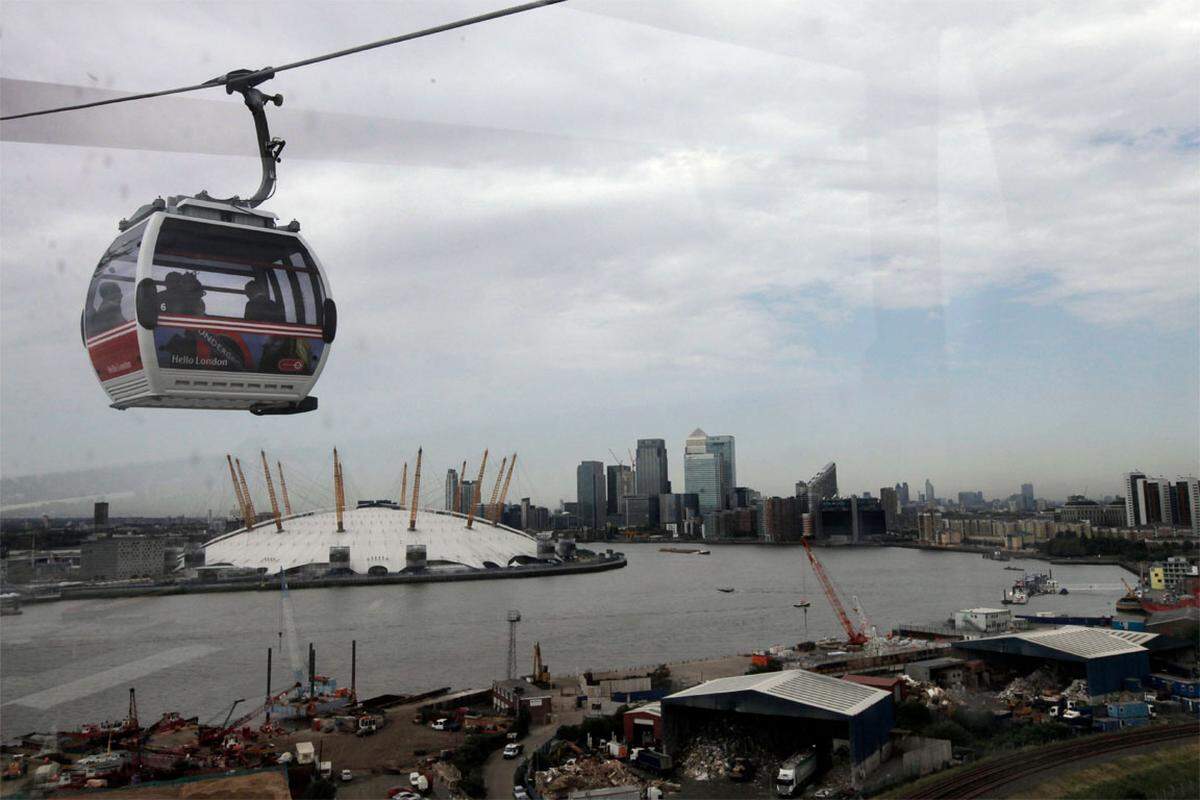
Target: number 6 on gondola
(204, 303)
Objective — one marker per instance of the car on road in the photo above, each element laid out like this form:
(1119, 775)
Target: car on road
(347, 775)
(519, 793)
(513, 749)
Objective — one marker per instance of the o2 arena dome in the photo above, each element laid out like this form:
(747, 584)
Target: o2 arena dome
(375, 540)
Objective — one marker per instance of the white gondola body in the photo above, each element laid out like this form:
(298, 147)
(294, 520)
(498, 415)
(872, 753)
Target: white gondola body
(205, 360)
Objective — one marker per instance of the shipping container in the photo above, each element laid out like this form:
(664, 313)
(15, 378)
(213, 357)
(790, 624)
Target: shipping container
(1133, 709)
(1134, 722)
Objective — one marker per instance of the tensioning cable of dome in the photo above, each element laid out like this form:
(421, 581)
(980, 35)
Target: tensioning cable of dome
(261, 339)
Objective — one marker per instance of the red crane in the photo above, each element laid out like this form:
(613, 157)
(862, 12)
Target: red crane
(854, 635)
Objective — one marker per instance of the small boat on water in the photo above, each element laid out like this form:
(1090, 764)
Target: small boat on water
(725, 589)
(1063, 590)
(682, 550)
(1015, 569)
(1015, 596)
(802, 604)
(704, 552)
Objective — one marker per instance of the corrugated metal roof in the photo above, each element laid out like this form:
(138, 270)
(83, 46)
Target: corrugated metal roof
(1134, 637)
(796, 686)
(1083, 642)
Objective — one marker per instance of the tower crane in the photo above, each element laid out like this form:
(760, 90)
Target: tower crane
(853, 634)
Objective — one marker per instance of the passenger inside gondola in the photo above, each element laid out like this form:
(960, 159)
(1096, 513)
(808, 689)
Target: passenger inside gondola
(182, 294)
(260, 306)
(108, 314)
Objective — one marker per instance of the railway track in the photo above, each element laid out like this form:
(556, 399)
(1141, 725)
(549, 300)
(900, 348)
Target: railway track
(985, 779)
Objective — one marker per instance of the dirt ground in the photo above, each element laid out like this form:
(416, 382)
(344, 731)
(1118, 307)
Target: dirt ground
(391, 747)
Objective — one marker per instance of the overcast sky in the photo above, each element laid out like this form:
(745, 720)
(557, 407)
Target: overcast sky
(945, 240)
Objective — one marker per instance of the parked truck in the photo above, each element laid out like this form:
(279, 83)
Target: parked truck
(306, 753)
(795, 772)
(652, 760)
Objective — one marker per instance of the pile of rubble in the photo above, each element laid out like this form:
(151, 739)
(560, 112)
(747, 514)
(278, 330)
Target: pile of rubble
(1034, 685)
(588, 773)
(704, 761)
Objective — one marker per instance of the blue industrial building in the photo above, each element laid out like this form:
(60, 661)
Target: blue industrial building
(790, 709)
(1104, 657)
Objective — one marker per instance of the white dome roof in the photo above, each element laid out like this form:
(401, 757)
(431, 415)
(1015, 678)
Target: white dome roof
(376, 536)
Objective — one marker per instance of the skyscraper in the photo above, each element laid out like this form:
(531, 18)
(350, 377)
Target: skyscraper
(703, 472)
(652, 467)
(589, 493)
(823, 485)
(468, 497)
(724, 447)
(930, 497)
(890, 500)
(451, 488)
(1133, 511)
(620, 485)
(1027, 498)
(902, 490)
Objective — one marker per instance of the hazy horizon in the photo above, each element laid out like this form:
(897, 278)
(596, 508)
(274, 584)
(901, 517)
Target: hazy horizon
(953, 241)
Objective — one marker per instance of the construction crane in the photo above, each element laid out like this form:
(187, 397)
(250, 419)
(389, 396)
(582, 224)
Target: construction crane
(498, 511)
(854, 635)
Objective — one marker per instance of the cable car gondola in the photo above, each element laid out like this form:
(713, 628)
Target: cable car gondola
(208, 303)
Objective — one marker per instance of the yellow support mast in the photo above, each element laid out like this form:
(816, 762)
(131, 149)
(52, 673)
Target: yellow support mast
(416, 496)
(271, 492)
(490, 508)
(498, 511)
(339, 499)
(251, 514)
(404, 486)
(475, 493)
(287, 504)
(237, 490)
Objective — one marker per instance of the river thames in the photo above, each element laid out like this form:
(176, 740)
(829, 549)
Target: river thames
(66, 663)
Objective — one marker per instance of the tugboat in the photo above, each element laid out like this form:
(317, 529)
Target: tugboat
(1130, 603)
(1015, 596)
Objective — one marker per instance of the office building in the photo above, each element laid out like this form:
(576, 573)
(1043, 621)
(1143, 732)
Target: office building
(467, 498)
(118, 557)
(930, 497)
(451, 488)
(641, 511)
(619, 479)
(651, 475)
(890, 500)
(676, 508)
(902, 493)
(1028, 501)
(1133, 510)
(970, 500)
(589, 494)
(724, 447)
(823, 485)
(100, 515)
(781, 519)
(703, 472)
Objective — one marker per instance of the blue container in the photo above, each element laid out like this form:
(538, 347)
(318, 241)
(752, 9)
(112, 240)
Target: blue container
(1132, 710)
(1134, 722)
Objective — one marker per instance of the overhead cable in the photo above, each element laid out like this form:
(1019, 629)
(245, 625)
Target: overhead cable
(267, 72)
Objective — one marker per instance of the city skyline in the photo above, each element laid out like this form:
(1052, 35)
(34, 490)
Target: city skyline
(806, 275)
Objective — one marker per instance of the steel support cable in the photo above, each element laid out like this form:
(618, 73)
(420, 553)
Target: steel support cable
(268, 72)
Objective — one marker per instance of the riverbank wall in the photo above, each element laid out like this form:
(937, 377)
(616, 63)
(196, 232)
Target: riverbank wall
(293, 584)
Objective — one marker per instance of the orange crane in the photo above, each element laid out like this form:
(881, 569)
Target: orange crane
(854, 635)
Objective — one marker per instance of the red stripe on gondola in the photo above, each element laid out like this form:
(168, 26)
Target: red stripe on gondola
(123, 328)
(116, 355)
(279, 329)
